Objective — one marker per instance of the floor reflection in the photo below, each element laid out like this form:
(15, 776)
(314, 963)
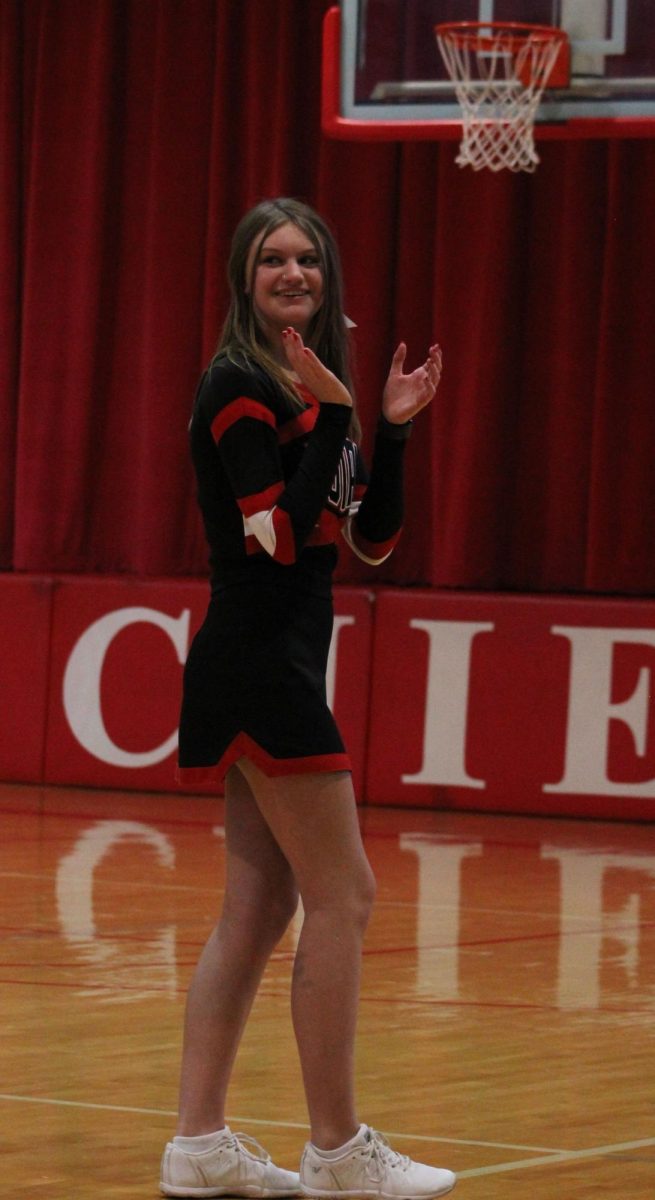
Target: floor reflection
(472, 909)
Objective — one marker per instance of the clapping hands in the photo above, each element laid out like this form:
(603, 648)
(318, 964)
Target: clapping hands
(404, 395)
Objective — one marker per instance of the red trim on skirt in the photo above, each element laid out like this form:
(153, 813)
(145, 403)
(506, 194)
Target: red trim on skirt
(243, 746)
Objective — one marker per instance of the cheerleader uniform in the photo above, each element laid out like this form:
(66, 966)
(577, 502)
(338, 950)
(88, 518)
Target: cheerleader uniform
(276, 488)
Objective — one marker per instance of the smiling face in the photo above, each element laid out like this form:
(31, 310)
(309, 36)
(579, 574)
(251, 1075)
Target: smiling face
(286, 280)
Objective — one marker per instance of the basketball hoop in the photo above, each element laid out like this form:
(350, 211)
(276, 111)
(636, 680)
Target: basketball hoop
(500, 70)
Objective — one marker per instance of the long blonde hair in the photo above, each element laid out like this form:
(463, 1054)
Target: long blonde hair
(243, 338)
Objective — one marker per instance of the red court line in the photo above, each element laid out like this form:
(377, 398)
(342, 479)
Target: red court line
(509, 939)
(422, 1002)
(368, 952)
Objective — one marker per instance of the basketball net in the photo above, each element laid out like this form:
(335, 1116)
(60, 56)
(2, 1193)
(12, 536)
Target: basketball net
(499, 72)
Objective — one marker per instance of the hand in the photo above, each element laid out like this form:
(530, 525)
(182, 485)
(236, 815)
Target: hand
(405, 395)
(310, 370)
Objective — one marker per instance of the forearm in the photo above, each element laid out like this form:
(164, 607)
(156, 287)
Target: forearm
(305, 493)
(376, 527)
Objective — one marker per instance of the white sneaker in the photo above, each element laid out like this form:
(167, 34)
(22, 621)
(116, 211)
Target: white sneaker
(229, 1168)
(369, 1167)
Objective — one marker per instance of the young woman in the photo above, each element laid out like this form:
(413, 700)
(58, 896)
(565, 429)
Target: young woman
(280, 478)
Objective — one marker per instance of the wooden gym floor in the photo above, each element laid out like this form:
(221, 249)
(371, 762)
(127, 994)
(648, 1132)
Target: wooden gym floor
(507, 1013)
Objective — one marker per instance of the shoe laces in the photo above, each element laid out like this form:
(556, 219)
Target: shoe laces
(380, 1155)
(237, 1142)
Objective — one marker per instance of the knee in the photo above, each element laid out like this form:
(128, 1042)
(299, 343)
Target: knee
(263, 916)
(279, 909)
(276, 910)
(364, 895)
(357, 904)
(347, 901)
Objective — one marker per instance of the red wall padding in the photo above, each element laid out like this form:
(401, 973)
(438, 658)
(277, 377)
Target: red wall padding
(513, 704)
(505, 704)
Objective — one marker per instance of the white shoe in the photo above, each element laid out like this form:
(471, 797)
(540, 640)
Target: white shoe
(229, 1168)
(369, 1167)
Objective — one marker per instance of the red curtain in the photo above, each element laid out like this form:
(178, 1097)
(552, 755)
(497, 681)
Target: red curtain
(134, 133)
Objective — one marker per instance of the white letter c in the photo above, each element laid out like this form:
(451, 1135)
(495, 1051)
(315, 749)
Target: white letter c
(81, 687)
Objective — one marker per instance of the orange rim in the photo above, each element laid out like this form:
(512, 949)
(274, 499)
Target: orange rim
(513, 33)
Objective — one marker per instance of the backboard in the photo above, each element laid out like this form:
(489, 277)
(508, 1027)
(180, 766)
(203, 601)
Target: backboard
(384, 77)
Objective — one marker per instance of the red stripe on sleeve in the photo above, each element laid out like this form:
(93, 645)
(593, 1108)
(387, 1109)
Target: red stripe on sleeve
(260, 501)
(243, 406)
(297, 426)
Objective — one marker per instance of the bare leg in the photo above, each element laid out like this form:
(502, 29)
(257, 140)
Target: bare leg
(314, 820)
(260, 899)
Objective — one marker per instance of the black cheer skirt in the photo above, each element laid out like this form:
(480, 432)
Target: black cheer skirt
(254, 686)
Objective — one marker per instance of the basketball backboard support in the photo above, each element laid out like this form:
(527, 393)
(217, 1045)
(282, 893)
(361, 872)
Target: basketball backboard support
(384, 78)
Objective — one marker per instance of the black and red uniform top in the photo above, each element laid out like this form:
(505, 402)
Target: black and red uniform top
(277, 486)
